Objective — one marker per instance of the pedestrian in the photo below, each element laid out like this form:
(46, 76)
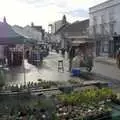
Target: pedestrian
(57, 49)
(63, 52)
(27, 54)
(71, 55)
(118, 58)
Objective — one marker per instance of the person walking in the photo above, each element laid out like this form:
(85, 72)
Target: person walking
(118, 58)
(71, 55)
(27, 54)
(63, 52)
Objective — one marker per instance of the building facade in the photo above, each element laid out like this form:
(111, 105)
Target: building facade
(38, 29)
(56, 26)
(29, 32)
(74, 33)
(104, 23)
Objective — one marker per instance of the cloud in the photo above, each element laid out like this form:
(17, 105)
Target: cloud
(38, 3)
(43, 12)
(30, 1)
(77, 13)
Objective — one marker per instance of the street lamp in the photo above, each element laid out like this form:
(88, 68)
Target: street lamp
(24, 63)
(50, 30)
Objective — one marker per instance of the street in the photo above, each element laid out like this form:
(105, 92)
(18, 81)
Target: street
(49, 71)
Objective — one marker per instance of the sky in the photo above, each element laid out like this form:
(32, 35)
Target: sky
(44, 12)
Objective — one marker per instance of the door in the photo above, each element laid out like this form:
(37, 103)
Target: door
(98, 45)
(116, 44)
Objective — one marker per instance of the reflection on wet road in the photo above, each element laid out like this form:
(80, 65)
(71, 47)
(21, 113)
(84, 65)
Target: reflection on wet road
(48, 71)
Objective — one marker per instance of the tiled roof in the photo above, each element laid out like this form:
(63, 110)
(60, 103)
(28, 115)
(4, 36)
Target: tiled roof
(62, 29)
(78, 26)
(74, 28)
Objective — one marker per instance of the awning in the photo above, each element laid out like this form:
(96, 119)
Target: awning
(78, 42)
(78, 37)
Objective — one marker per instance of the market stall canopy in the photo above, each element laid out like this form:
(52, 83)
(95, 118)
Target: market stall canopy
(9, 36)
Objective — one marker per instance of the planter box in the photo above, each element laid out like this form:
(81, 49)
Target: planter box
(116, 101)
(104, 116)
(66, 89)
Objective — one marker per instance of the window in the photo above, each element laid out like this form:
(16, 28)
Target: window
(111, 14)
(102, 29)
(102, 19)
(105, 46)
(111, 28)
(102, 26)
(94, 20)
(94, 29)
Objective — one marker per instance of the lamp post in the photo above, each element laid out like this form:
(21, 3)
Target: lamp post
(24, 63)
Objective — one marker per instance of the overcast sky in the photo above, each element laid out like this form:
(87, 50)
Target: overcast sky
(44, 12)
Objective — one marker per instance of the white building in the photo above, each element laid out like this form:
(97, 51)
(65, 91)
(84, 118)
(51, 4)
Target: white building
(56, 26)
(104, 22)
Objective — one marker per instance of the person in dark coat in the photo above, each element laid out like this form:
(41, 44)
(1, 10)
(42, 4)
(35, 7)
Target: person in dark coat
(63, 51)
(27, 54)
(118, 58)
(71, 55)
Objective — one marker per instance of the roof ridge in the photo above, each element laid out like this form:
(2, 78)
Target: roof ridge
(64, 25)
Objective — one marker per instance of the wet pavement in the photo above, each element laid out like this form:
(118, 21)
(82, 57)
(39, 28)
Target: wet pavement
(110, 71)
(48, 71)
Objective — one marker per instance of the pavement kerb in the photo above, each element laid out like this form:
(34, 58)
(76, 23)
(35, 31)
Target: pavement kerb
(105, 62)
(107, 78)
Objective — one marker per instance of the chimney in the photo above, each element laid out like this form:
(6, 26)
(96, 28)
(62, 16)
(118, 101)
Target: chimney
(4, 20)
(32, 24)
(64, 20)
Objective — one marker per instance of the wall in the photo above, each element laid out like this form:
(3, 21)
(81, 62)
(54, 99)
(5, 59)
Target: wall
(109, 11)
(104, 21)
(35, 34)
(57, 25)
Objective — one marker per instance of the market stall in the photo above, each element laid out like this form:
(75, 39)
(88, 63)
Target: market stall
(83, 55)
(9, 39)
